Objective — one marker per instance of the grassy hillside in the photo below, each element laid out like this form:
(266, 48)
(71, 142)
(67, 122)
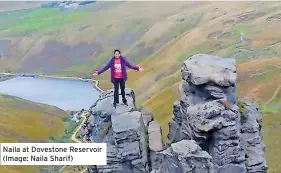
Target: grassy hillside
(260, 80)
(70, 42)
(25, 121)
(159, 36)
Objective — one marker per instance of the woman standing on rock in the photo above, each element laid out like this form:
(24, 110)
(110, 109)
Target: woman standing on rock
(117, 65)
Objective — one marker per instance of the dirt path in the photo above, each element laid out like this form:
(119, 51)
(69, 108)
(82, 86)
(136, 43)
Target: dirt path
(265, 72)
(75, 139)
(274, 95)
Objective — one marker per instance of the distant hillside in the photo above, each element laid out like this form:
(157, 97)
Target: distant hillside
(25, 121)
(75, 42)
(12, 5)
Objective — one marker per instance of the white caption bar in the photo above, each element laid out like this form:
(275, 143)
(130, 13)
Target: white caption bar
(53, 154)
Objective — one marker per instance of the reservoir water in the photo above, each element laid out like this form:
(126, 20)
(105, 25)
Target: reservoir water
(65, 94)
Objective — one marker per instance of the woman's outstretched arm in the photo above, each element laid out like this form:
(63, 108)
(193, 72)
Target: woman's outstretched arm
(131, 66)
(104, 68)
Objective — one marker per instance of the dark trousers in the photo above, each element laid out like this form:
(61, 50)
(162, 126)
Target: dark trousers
(116, 83)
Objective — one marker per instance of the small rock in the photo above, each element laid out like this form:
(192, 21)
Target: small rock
(155, 136)
(147, 116)
(185, 156)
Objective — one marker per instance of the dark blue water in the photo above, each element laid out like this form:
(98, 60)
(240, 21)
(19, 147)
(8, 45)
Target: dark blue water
(64, 94)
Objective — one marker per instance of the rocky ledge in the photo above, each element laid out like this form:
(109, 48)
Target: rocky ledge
(211, 131)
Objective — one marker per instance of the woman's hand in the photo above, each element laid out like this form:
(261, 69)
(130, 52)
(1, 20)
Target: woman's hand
(140, 68)
(95, 74)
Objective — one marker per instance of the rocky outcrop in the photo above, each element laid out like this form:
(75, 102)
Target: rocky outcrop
(208, 113)
(125, 130)
(211, 131)
(252, 138)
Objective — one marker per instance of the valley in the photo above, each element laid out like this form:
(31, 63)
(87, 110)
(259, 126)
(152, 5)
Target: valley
(76, 42)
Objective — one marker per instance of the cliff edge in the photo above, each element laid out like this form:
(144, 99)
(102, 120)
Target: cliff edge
(211, 130)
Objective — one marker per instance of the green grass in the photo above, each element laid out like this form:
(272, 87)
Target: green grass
(272, 138)
(242, 108)
(269, 108)
(40, 19)
(242, 30)
(244, 56)
(26, 121)
(66, 137)
(8, 17)
(161, 106)
(89, 67)
(69, 129)
(196, 50)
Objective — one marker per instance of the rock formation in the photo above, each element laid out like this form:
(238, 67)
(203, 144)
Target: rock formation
(211, 131)
(252, 138)
(208, 113)
(124, 131)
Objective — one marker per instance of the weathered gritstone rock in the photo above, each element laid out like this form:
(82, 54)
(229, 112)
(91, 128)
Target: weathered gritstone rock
(155, 136)
(147, 116)
(105, 103)
(252, 138)
(124, 132)
(155, 143)
(208, 113)
(201, 69)
(183, 157)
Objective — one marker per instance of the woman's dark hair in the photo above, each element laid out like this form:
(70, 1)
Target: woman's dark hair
(117, 51)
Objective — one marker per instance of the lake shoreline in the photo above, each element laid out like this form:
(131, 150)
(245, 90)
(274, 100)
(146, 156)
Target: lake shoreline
(12, 75)
(5, 77)
(68, 93)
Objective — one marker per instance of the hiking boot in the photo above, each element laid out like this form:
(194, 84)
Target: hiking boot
(114, 105)
(125, 103)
